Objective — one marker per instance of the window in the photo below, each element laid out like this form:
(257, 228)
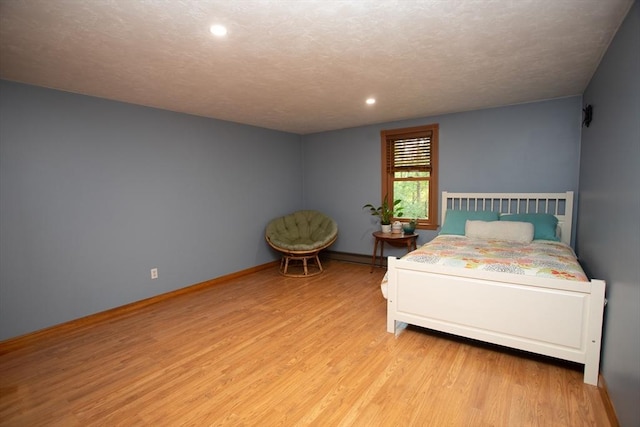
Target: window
(410, 172)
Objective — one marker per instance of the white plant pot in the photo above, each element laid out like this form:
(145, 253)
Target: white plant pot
(386, 228)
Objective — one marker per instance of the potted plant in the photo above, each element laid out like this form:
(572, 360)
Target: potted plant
(410, 227)
(386, 212)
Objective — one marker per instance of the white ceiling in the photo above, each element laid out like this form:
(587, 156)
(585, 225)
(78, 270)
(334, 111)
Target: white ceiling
(307, 66)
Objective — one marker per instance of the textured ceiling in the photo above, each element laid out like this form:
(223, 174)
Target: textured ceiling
(308, 66)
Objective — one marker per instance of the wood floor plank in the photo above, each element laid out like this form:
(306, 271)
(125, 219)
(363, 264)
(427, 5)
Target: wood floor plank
(263, 349)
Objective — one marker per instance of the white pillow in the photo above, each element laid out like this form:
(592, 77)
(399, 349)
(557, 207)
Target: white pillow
(511, 231)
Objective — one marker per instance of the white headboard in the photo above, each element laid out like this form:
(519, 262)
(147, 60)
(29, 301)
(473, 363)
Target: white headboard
(558, 204)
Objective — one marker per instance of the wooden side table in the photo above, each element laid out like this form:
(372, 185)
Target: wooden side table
(398, 240)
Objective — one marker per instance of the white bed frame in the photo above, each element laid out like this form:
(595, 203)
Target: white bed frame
(552, 317)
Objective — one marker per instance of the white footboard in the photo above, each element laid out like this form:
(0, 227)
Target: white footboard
(553, 317)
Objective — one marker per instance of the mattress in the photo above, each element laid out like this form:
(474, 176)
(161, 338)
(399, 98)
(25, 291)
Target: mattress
(541, 258)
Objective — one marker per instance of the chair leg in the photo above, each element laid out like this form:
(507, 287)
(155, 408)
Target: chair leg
(308, 269)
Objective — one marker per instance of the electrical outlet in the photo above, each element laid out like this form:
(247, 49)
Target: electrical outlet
(154, 273)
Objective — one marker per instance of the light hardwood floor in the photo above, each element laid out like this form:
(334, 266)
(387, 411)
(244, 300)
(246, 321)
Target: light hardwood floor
(263, 350)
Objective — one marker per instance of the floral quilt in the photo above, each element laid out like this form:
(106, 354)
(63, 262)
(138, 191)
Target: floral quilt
(541, 258)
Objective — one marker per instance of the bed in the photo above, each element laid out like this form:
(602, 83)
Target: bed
(547, 313)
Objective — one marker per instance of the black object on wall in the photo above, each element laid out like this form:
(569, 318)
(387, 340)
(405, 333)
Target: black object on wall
(587, 115)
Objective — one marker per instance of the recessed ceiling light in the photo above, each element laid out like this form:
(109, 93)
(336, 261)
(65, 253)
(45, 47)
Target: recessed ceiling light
(218, 30)
(370, 101)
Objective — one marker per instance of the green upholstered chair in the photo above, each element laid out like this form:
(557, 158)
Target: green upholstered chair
(301, 236)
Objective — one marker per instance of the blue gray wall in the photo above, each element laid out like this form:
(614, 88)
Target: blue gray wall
(609, 223)
(523, 148)
(95, 193)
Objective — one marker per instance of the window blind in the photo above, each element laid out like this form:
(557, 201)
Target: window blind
(409, 153)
